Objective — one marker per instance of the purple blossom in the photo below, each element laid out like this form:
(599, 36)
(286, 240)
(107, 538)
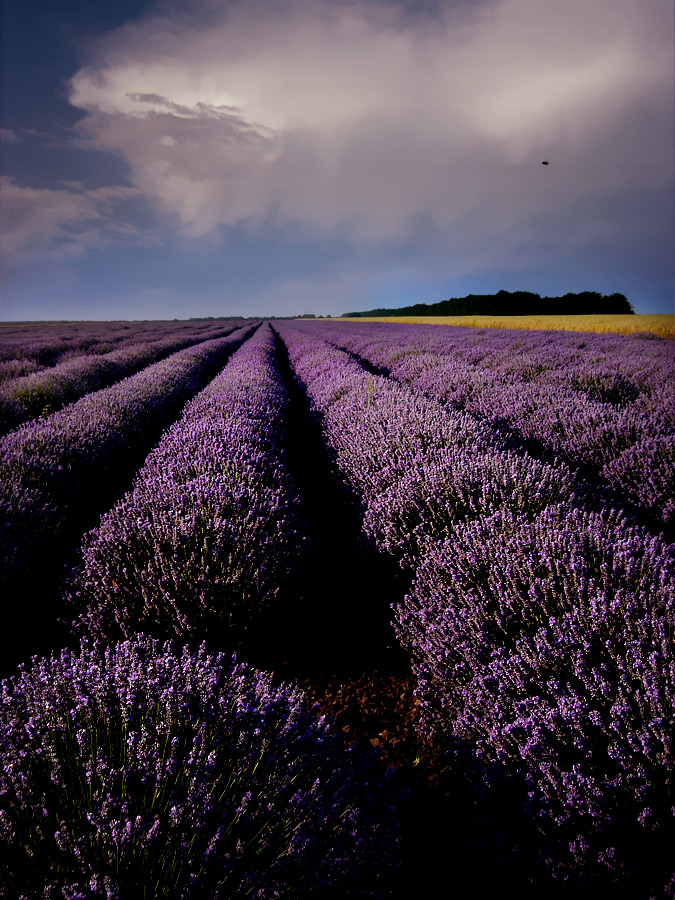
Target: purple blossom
(43, 392)
(198, 777)
(30, 348)
(600, 401)
(212, 527)
(54, 472)
(540, 631)
(548, 646)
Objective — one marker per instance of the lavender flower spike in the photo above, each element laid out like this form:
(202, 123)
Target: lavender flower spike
(138, 770)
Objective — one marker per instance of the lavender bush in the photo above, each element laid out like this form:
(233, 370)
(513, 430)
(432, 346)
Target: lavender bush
(424, 506)
(596, 400)
(41, 347)
(140, 770)
(211, 529)
(415, 466)
(44, 392)
(539, 621)
(28, 348)
(16, 368)
(31, 347)
(548, 646)
(55, 471)
(541, 632)
(379, 430)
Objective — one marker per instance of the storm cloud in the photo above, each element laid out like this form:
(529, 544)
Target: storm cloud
(325, 155)
(61, 223)
(361, 118)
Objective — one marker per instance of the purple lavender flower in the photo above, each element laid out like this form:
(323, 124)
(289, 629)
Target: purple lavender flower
(599, 401)
(139, 770)
(53, 471)
(548, 647)
(212, 527)
(541, 632)
(30, 348)
(43, 392)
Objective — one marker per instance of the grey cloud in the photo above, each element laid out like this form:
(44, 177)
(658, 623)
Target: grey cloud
(200, 109)
(63, 223)
(361, 119)
(150, 98)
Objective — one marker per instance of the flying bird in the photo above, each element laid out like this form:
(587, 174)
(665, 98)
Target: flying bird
(544, 162)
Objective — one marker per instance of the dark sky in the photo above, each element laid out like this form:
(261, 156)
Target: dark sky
(169, 159)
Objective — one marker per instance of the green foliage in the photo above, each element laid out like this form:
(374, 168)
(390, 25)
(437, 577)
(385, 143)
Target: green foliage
(511, 303)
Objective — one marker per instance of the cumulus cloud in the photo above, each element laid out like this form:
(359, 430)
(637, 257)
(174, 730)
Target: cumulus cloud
(60, 224)
(363, 118)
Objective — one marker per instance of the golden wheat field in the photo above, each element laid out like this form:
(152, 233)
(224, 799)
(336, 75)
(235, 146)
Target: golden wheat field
(661, 324)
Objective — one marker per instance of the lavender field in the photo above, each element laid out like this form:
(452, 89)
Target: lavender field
(336, 609)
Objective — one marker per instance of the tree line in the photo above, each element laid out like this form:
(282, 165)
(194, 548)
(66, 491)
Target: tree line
(511, 303)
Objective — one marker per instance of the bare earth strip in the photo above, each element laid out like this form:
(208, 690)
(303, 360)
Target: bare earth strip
(660, 324)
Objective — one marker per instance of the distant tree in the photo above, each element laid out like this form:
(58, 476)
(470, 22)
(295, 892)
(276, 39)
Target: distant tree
(621, 304)
(510, 303)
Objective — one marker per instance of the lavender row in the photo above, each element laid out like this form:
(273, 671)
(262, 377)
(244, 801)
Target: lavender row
(36, 339)
(548, 645)
(604, 402)
(55, 472)
(26, 349)
(139, 770)
(541, 633)
(47, 345)
(210, 529)
(42, 393)
(417, 466)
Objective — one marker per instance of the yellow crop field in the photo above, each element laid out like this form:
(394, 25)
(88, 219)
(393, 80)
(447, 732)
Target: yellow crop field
(660, 324)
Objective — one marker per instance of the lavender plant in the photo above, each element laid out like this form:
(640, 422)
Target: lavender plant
(29, 348)
(548, 646)
(212, 527)
(415, 466)
(138, 770)
(34, 346)
(53, 469)
(594, 400)
(379, 430)
(425, 505)
(44, 392)
(541, 632)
